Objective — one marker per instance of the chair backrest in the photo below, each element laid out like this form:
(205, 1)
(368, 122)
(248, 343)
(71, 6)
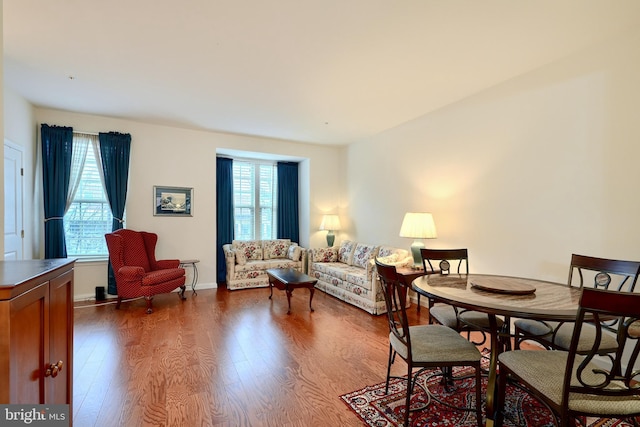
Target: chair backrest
(601, 273)
(446, 257)
(395, 297)
(612, 379)
(132, 248)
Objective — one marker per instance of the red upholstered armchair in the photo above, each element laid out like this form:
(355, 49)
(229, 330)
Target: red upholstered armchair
(137, 272)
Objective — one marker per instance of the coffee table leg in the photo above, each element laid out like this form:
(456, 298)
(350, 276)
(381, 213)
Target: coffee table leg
(270, 288)
(311, 292)
(289, 292)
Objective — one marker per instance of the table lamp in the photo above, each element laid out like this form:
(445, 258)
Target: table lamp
(330, 223)
(418, 225)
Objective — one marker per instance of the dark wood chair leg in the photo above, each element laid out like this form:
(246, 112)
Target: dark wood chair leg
(182, 291)
(149, 304)
(118, 302)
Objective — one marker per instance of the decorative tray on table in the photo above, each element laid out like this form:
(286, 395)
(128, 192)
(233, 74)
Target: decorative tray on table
(504, 287)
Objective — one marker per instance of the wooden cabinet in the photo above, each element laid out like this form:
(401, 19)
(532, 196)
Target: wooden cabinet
(36, 331)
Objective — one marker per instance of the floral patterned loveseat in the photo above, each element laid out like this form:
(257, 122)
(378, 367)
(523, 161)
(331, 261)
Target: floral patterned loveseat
(348, 272)
(247, 261)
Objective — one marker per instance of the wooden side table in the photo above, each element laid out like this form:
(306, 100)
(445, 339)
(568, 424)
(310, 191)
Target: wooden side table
(194, 279)
(408, 275)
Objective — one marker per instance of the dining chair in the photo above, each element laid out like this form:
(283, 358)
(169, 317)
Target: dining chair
(446, 314)
(574, 385)
(423, 346)
(585, 272)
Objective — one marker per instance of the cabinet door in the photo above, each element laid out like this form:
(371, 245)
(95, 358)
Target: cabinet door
(29, 345)
(60, 339)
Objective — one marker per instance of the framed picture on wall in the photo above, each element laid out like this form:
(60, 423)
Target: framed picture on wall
(172, 201)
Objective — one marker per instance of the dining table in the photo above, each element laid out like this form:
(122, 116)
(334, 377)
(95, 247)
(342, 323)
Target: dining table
(505, 296)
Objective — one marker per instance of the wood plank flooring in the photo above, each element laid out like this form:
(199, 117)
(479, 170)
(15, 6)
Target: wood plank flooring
(226, 358)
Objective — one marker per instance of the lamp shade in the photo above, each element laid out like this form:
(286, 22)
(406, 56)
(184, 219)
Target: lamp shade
(418, 225)
(330, 222)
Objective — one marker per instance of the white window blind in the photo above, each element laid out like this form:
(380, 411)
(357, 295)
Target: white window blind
(89, 217)
(254, 200)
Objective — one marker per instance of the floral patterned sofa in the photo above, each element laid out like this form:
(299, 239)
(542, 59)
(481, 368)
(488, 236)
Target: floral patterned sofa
(348, 272)
(247, 261)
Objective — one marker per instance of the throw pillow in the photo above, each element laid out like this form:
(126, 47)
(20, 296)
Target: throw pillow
(362, 254)
(345, 252)
(252, 249)
(241, 258)
(325, 255)
(273, 249)
(294, 252)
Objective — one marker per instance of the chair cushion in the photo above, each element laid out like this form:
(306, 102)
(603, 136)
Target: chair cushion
(563, 337)
(446, 315)
(587, 338)
(544, 372)
(159, 276)
(436, 343)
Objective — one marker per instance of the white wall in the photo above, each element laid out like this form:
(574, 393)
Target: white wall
(162, 155)
(523, 174)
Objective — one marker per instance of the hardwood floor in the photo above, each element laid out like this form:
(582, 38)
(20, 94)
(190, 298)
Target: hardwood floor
(226, 358)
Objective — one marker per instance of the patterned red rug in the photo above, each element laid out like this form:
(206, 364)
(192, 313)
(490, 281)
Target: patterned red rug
(377, 409)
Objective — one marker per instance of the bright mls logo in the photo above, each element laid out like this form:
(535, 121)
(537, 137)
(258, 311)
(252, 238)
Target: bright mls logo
(35, 415)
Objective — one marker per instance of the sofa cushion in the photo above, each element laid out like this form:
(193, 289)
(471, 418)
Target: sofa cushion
(362, 254)
(345, 253)
(294, 251)
(325, 255)
(251, 248)
(273, 249)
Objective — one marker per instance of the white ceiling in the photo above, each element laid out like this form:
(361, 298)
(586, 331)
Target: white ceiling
(321, 71)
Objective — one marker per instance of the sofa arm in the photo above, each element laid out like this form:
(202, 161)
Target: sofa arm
(230, 260)
(304, 260)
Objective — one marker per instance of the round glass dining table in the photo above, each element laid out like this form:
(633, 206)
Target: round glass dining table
(505, 296)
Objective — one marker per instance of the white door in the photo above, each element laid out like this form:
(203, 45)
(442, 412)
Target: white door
(13, 231)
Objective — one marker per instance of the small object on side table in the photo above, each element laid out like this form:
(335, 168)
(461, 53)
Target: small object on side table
(194, 278)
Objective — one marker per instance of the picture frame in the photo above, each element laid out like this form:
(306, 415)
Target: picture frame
(172, 201)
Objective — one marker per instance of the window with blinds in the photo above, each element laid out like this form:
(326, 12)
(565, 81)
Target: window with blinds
(89, 216)
(254, 200)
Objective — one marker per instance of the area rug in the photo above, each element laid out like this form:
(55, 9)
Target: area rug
(377, 409)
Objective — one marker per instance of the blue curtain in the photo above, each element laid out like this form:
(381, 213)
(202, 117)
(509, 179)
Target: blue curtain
(115, 149)
(288, 221)
(57, 149)
(224, 213)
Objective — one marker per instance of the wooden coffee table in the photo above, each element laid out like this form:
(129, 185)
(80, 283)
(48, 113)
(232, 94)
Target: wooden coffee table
(288, 279)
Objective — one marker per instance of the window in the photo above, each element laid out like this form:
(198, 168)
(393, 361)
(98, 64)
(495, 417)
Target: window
(254, 200)
(88, 217)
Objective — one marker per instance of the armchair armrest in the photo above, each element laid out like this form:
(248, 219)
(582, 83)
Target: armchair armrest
(132, 274)
(168, 263)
